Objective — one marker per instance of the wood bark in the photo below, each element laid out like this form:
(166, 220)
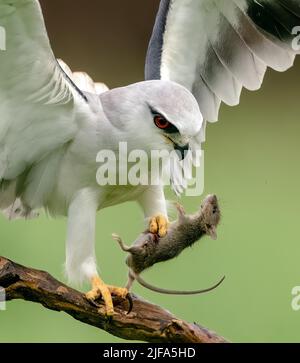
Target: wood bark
(146, 322)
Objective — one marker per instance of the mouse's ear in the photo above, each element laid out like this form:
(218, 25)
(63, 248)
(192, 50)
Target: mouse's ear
(212, 232)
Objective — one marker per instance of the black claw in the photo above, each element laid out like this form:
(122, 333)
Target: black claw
(93, 302)
(108, 318)
(130, 302)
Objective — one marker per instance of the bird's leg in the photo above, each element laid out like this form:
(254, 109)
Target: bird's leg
(80, 250)
(159, 225)
(153, 204)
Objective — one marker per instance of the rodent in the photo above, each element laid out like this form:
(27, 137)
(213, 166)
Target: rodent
(149, 249)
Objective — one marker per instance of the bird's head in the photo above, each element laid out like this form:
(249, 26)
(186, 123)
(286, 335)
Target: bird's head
(154, 116)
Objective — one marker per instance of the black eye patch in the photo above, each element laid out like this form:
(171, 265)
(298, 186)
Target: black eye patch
(162, 123)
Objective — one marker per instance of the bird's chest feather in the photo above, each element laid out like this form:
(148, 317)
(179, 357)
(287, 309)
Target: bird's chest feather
(106, 196)
(112, 195)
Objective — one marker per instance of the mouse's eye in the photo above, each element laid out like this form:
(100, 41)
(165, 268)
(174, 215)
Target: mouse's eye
(161, 122)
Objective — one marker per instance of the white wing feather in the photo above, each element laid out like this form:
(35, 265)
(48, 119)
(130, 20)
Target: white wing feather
(36, 97)
(38, 105)
(216, 47)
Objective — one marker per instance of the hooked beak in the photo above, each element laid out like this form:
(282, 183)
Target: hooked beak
(181, 150)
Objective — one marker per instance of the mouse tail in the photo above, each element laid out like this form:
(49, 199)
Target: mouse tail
(145, 284)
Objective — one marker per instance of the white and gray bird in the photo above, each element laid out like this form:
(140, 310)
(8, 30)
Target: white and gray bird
(54, 122)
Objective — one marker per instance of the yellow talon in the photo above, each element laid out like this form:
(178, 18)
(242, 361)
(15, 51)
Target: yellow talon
(159, 225)
(100, 289)
(121, 292)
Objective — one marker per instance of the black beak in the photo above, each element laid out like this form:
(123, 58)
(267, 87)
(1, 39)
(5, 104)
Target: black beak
(181, 150)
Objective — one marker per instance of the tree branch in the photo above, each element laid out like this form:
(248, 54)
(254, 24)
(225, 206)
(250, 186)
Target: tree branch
(146, 322)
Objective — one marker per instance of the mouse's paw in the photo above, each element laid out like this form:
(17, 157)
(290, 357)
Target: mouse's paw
(159, 225)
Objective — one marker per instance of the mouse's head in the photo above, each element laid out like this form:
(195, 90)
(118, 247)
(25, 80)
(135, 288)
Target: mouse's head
(211, 215)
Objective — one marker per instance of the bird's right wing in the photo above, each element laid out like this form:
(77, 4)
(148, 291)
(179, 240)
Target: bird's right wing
(37, 97)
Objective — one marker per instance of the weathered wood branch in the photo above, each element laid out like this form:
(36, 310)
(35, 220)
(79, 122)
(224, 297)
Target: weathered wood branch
(146, 322)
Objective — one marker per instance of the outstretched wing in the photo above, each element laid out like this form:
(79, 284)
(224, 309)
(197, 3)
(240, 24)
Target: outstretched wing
(217, 47)
(36, 96)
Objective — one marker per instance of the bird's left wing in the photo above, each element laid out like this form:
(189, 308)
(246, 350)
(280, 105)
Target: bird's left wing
(36, 96)
(216, 47)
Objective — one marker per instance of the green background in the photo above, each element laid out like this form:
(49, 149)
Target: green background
(251, 163)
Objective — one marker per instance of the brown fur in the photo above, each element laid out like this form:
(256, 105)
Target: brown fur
(149, 249)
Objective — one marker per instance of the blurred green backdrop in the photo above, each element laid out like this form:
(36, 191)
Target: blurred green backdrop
(251, 163)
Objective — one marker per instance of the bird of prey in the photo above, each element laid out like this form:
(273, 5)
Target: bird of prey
(54, 122)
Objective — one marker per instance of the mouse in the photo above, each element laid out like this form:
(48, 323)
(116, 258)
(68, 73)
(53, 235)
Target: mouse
(149, 249)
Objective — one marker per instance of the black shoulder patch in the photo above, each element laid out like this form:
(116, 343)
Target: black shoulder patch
(153, 58)
(78, 90)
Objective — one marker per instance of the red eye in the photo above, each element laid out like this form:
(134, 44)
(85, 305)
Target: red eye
(161, 122)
